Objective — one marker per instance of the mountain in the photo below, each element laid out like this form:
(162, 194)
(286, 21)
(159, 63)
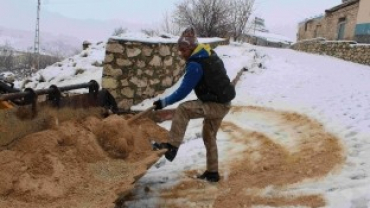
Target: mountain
(51, 44)
(21, 15)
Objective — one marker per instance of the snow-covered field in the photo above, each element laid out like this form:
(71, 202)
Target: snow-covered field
(333, 92)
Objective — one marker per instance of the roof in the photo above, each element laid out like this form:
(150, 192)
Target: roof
(307, 20)
(271, 37)
(346, 4)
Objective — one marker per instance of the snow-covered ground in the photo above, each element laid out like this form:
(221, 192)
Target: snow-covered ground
(334, 92)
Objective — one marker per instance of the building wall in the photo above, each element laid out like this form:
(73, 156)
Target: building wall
(311, 29)
(332, 20)
(364, 12)
(362, 31)
(135, 71)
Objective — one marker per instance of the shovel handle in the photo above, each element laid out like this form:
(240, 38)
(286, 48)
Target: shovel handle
(139, 115)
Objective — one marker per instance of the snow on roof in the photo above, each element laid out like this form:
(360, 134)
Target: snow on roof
(271, 37)
(340, 6)
(318, 17)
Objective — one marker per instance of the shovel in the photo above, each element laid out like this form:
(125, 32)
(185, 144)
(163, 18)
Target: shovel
(155, 146)
(139, 115)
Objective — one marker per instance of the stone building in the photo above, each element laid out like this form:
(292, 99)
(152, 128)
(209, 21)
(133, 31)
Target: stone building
(347, 21)
(258, 34)
(311, 28)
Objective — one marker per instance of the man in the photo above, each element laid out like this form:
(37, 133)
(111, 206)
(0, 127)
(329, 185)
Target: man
(206, 75)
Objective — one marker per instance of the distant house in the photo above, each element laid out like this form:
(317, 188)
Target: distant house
(347, 21)
(258, 34)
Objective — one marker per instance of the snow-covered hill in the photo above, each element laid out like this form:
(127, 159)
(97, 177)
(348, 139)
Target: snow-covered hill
(56, 45)
(80, 68)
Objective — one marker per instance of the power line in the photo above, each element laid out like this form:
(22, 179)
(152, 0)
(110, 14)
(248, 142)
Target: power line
(71, 2)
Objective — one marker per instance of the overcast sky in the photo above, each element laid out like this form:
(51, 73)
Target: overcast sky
(82, 17)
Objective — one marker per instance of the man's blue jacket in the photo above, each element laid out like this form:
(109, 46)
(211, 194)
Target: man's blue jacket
(193, 74)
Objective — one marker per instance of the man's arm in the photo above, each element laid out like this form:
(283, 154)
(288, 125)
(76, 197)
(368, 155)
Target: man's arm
(193, 74)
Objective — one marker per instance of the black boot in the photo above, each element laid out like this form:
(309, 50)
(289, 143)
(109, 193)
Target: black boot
(210, 176)
(171, 152)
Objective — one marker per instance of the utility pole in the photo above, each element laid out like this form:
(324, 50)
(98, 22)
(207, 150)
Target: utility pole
(255, 23)
(36, 46)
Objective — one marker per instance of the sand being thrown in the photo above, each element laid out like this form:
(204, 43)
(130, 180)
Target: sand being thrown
(79, 163)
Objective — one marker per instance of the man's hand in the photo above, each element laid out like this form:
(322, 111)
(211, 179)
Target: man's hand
(158, 105)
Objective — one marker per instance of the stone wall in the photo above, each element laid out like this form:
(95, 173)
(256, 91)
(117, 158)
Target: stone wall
(134, 71)
(350, 51)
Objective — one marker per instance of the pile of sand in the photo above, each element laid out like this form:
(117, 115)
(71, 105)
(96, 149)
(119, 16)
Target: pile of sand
(78, 163)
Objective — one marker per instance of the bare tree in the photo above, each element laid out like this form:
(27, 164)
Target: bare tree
(119, 31)
(210, 18)
(149, 32)
(6, 56)
(213, 18)
(241, 11)
(169, 25)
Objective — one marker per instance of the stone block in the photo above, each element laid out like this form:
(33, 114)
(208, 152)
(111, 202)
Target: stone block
(154, 81)
(133, 52)
(109, 70)
(164, 50)
(123, 62)
(139, 82)
(108, 58)
(113, 92)
(139, 72)
(125, 104)
(115, 48)
(109, 83)
(149, 91)
(124, 83)
(167, 82)
(146, 51)
(127, 92)
(156, 61)
(176, 71)
(140, 64)
(149, 72)
(168, 61)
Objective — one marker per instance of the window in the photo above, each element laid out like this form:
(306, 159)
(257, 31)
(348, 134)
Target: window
(317, 31)
(305, 26)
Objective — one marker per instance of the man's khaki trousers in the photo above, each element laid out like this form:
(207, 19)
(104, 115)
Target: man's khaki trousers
(213, 113)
